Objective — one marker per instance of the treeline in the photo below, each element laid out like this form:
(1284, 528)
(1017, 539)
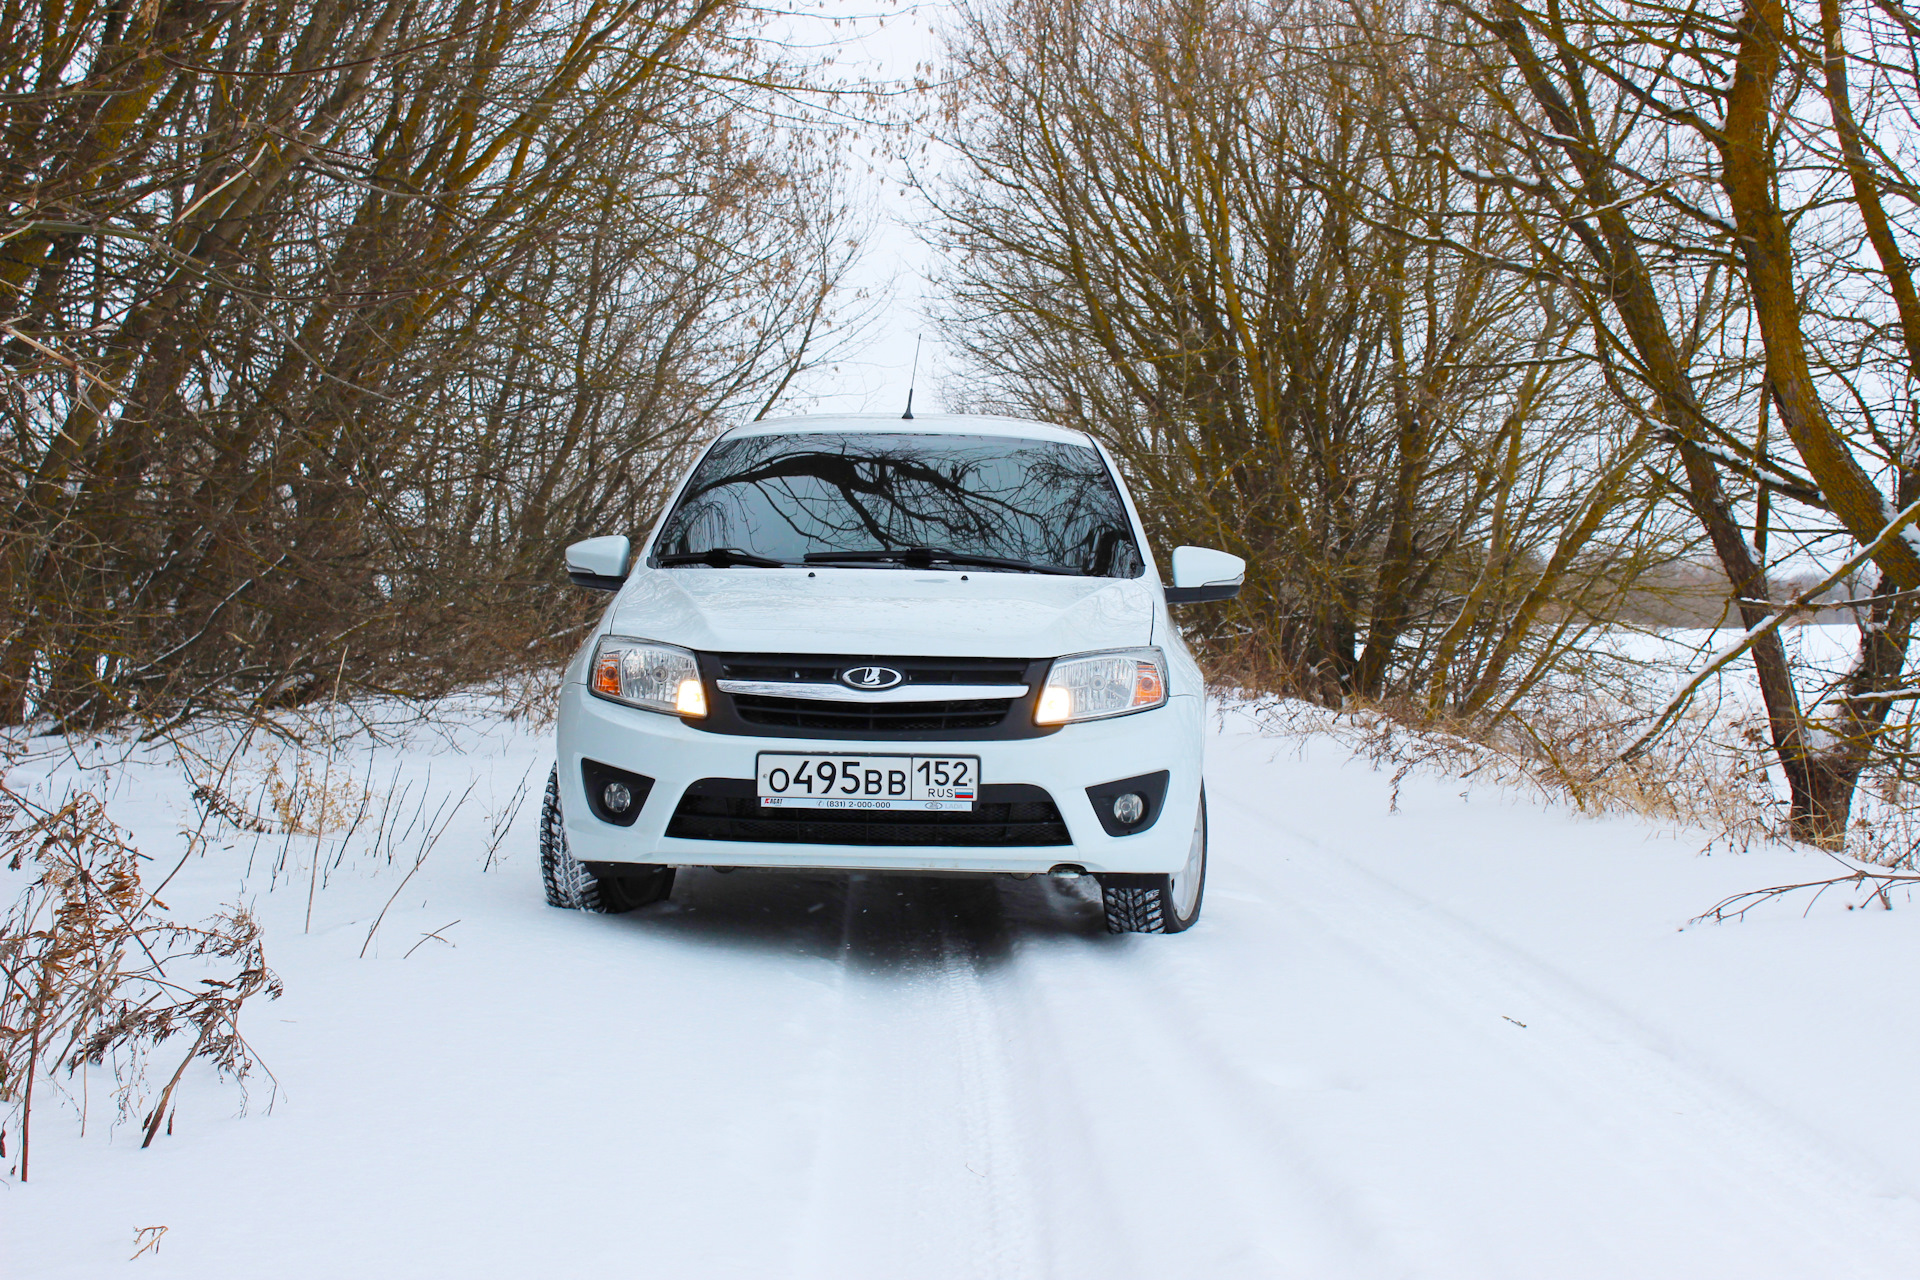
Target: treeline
(1456, 319)
(325, 323)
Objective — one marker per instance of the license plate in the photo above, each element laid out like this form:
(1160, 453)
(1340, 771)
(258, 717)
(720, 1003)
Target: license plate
(936, 783)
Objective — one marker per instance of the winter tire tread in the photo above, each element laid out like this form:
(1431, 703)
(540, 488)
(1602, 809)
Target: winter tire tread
(1133, 910)
(568, 882)
(1145, 903)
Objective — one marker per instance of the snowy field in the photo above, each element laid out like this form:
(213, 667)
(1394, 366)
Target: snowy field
(1471, 1037)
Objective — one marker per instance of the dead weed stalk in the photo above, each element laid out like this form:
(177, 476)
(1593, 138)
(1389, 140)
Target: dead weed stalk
(97, 973)
(1874, 883)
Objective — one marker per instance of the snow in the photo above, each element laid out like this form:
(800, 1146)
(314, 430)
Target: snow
(1469, 1036)
(1820, 654)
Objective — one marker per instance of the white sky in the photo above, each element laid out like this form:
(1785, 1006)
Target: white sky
(883, 42)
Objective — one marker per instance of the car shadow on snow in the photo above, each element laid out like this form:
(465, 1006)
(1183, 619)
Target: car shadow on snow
(880, 924)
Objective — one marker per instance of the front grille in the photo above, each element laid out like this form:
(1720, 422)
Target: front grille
(1007, 814)
(764, 713)
(867, 717)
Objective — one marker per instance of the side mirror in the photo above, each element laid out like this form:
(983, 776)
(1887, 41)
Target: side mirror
(599, 564)
(1200, 574)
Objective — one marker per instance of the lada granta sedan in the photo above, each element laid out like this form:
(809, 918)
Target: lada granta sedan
(863, 643)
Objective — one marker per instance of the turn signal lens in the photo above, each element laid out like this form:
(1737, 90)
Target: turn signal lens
(1092, 686)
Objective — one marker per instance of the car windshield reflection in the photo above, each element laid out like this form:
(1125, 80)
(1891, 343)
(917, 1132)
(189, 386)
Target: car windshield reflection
(903, 500)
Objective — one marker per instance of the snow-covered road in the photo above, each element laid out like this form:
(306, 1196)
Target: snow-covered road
(1468, 1038)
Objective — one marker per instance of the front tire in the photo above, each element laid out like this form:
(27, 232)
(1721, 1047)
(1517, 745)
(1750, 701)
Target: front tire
(1160, 904)
(571, 884)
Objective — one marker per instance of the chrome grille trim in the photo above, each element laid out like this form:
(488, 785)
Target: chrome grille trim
(899, 693)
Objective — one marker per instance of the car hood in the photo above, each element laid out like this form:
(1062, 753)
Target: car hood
(883, 612)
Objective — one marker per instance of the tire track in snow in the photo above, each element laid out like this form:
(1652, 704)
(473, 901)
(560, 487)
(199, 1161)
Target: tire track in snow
(918, 1168)
(1746, 1163)
(1312, 1084)
(1187, 1165)
(989, 1109)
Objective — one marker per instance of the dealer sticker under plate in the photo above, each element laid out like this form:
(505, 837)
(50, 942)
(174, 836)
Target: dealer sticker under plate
(937, 783)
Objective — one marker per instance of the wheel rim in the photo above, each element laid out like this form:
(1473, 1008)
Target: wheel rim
(1185, 885)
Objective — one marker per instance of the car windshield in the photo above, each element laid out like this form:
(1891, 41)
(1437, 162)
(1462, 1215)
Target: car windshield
(887, 500)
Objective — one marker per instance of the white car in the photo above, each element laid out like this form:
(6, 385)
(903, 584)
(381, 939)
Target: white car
(886, 645)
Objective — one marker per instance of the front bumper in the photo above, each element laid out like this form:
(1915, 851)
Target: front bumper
(1065, 764)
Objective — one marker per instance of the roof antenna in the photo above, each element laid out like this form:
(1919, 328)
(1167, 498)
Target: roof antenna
(911, 379)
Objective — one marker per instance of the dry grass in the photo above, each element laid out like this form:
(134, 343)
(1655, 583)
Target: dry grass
(1707, 774)
(1711, 771)
(97, 973)
(1560, 743)
(312, 796)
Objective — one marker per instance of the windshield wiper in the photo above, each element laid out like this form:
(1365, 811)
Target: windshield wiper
(924, 558)
(719, 558)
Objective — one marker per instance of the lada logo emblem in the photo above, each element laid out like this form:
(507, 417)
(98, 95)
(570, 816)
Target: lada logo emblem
(870, 677)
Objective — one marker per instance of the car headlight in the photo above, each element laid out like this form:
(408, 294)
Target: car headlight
(1092, 686)
(641, 673)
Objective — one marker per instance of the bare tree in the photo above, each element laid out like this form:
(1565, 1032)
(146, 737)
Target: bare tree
(1740, 223)
(1212, 233)
(325, 323)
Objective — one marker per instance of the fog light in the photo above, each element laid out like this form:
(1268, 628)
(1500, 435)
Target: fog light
(1129, 808)
(618, 799)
